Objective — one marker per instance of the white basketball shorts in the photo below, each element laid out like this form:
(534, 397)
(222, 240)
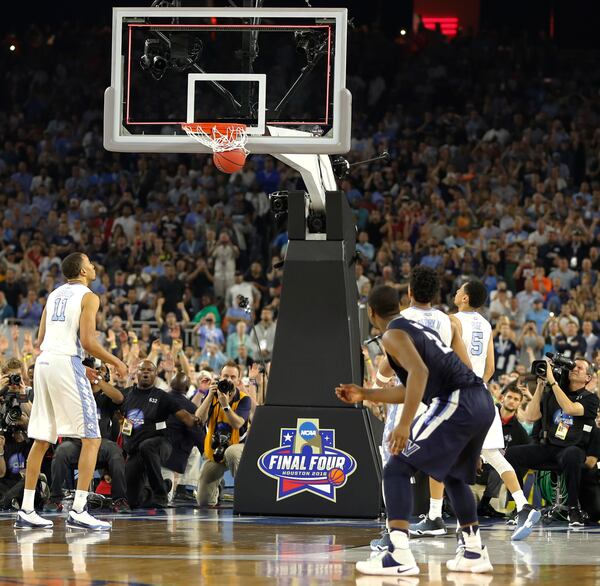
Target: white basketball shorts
(63, 401)
(494, 440)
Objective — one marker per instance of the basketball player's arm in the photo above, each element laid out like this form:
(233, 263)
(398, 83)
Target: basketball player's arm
(385, 373)
(490, 362)
(42, 329)
(457, 343)
(87, 333)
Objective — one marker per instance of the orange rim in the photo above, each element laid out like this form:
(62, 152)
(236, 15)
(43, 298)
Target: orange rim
(210, 127)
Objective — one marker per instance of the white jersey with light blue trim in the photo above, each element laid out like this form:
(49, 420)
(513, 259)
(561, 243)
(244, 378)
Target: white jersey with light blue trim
(476, 332)
(63, 312)
(434, 319)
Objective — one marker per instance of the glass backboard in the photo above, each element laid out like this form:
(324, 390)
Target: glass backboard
(279, 71)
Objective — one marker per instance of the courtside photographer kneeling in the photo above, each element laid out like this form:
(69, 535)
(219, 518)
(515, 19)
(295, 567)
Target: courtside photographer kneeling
(566, 413)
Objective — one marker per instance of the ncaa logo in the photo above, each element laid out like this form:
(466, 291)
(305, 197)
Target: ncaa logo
(307, 460)
(136, 416)
(308, 430)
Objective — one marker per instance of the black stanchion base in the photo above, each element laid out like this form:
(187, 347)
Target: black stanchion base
(310, 461)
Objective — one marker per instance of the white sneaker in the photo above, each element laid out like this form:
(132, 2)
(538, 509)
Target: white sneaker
(31, 520)
(84, 520)
(399, 562)
(475, 561)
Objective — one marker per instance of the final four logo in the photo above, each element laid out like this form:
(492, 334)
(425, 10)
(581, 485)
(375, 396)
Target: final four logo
(307, 460)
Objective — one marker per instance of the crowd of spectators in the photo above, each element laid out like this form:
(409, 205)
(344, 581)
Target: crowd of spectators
(494, 173)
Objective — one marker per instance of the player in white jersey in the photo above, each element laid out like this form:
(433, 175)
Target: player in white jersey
(423, 288)
(476, 333)
(63, 403)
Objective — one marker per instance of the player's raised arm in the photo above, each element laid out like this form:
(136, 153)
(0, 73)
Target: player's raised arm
(87, 333)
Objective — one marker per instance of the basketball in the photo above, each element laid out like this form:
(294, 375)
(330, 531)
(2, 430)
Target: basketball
(230, 161)
(336, 476)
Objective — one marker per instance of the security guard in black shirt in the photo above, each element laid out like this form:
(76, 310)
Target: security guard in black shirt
(146, 409)
(567, 422)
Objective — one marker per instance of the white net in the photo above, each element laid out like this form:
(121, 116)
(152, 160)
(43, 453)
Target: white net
(219, 137)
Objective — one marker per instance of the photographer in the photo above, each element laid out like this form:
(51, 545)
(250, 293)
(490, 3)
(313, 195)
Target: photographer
(15, 406)
(14, 447)
(146, 409)
(567, 418)
(110, 455)
(225, 410)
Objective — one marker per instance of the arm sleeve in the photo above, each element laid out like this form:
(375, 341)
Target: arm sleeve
(590, 405)
(243, 408)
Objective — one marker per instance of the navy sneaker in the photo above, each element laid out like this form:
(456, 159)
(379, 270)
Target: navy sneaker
(428, 527)
(526, 519)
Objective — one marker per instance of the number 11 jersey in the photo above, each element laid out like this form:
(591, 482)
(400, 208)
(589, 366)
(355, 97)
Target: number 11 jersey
(63, 312)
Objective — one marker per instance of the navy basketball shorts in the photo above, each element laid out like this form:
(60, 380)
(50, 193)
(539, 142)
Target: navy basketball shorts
(447, 439)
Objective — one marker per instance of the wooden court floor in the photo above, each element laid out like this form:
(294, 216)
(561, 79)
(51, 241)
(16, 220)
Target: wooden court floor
(188, 546)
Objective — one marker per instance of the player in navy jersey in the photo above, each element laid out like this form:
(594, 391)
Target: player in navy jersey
(444, 442)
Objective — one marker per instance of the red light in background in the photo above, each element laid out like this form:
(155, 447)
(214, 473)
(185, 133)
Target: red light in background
(448, 24)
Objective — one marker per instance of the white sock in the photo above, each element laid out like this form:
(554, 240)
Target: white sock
(399, 538)
(472, 537)
(80, 500)
(435, 508)
(520, 500)
(28, 498)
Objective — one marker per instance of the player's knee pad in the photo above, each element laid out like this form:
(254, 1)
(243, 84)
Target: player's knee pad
(497, 461)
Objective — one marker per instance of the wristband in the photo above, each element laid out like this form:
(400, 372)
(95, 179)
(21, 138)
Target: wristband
(368, 360)
(384, 379)
(134, 341)
(1, 454)
(113, 346)
(228, 408)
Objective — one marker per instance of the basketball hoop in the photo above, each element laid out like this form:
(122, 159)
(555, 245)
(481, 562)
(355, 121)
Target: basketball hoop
(219, 136)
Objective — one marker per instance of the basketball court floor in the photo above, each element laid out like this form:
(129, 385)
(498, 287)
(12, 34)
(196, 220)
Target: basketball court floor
(192, 546)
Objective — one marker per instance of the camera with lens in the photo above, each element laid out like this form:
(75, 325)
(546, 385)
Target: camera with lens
(100, 368)
(225, 386)
(561, 365)
(10, 411)
(220, 442)
(15, 380)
